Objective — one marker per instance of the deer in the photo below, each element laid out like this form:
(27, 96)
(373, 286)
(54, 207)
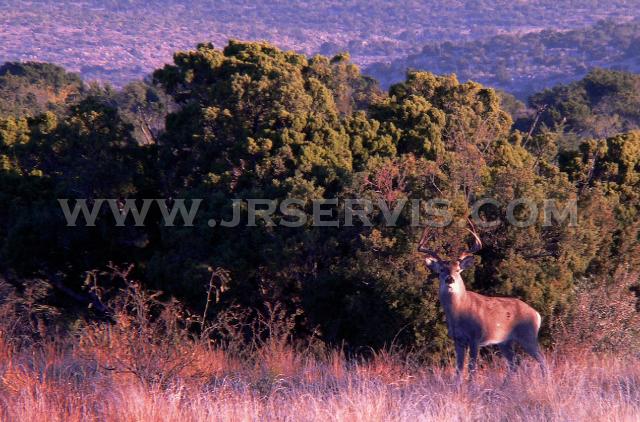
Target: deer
(474, 320)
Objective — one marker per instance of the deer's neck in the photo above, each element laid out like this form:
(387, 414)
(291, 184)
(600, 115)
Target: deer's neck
(452, 296)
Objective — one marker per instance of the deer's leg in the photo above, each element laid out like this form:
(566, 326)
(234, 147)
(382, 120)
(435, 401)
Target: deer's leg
(533, 350)
(507, 351)
(461, 350)
(473, 358)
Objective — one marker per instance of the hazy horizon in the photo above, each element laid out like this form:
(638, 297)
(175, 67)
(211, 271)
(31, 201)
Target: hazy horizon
(119, 41)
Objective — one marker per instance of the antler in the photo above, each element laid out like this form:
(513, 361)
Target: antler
(477, 244)
(422, 248)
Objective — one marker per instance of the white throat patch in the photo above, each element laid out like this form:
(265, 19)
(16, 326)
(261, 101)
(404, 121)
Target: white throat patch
(454, 288)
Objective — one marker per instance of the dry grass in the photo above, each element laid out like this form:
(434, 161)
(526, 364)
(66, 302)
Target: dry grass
(145, 364)
(55, 384)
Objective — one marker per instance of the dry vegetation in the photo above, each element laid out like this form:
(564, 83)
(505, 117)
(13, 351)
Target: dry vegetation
(144, 365)
(56, 385)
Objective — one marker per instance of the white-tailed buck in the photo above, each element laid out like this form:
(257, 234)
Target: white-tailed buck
(474, 320)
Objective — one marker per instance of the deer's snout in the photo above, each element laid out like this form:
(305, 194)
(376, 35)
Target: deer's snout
(449, 279)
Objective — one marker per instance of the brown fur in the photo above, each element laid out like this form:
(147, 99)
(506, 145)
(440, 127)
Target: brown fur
(475, 320)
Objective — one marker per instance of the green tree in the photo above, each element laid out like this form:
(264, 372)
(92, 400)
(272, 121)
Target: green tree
(31, 88)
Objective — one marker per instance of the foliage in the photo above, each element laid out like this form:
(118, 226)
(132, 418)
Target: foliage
(253, 121)
(604, 318)
(31, 88)
(602, 104)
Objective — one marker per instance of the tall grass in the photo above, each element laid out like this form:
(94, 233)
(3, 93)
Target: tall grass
(144, 364)
(60, 385)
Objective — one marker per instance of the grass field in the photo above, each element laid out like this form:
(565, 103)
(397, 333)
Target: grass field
(53, 383)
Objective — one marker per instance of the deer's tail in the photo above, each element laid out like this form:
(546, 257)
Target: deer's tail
(539, 321)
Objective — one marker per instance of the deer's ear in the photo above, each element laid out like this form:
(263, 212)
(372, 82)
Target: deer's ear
(433, 264)
(467, 262)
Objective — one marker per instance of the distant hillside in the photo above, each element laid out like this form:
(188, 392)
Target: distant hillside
(528, 62)
(122, 40)
(602, 104)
